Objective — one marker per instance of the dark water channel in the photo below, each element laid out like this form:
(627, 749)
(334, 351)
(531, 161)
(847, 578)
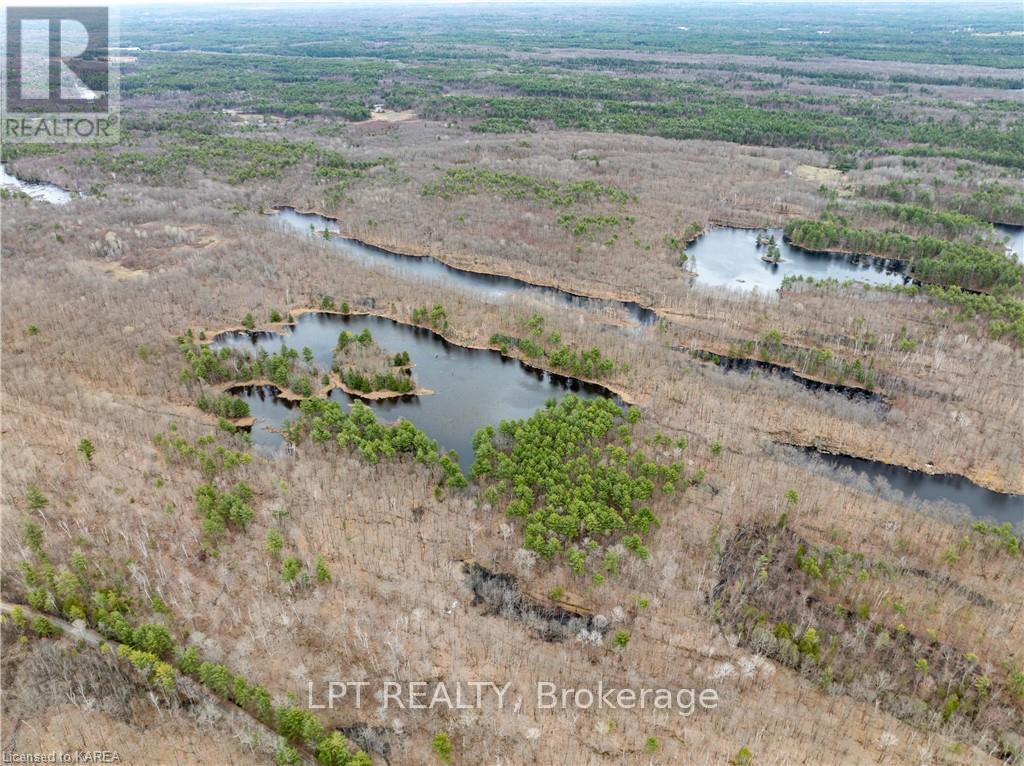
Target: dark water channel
(722, 256)
(982, 503)
(474, 387)
(749, 366)
(429, 270)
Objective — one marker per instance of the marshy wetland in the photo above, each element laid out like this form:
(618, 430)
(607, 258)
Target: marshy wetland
(471, 388)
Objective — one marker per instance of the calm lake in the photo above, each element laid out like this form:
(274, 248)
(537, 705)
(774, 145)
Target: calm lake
(727, 257)
(472, 388)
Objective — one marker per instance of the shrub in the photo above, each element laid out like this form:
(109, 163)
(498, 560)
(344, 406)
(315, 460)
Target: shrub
(154, 639)
(286, 755)
(323, 574)
(188, 661)
(216, 678)
(218, 510)
(36, 499)
(442, 747)
(333, 750)
(437, 316)
(224, 406)
(810, 644)
(1017, 683)
(45, 628)
(274, 543)
(290, 569)
(31, 533)
(742, 758)
(86, 450)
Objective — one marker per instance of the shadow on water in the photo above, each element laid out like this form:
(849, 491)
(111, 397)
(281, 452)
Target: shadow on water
(982, 503)
(270, 412)
(472, 387)
(722, 256)
(476, 387)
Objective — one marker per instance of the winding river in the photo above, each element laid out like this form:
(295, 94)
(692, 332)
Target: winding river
(472, 387)
(430, 270)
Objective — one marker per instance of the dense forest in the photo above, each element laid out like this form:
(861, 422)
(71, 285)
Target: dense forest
(525, 97)
(724, 29)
